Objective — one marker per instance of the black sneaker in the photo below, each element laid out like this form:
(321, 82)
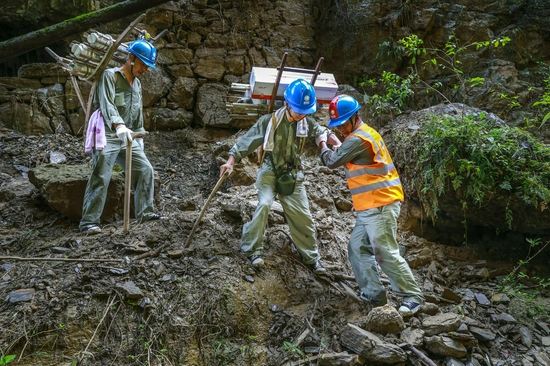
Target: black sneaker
(409, 308)
(318, 268)
(374, 303)
(90, 229)
(256, 261)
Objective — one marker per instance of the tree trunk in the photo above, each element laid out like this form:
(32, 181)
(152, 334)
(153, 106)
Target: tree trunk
(40, 38)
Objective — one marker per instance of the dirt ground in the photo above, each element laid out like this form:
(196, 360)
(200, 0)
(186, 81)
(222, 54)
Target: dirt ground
(116, 299)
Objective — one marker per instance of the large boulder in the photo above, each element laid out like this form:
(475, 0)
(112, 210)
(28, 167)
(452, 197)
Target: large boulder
(502, 212)
(63, 186)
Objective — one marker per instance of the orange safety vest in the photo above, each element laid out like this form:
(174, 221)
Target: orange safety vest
(376, 184)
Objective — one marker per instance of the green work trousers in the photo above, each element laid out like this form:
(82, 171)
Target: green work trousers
(372, 241)
(103, 162)
(297, 215)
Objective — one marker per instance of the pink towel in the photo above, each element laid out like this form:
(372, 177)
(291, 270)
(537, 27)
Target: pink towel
(95, 135)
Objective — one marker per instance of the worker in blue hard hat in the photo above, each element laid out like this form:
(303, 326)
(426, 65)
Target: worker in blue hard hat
(377, 194)
(283, 135)
(118, 99)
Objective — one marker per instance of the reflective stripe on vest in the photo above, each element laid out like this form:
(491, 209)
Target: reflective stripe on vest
(376, 184)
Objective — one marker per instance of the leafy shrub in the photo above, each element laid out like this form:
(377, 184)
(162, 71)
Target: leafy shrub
(479, 157)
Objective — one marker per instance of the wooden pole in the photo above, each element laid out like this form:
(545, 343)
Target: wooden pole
(128, 180)
(37, 259)
(127, 187)
(220, 181)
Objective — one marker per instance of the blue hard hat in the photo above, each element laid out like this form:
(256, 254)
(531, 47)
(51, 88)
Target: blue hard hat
(300, 96)
(145, 51)
(341, 108)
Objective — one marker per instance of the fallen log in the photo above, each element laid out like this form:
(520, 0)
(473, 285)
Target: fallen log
(37, 259)
(40, 38)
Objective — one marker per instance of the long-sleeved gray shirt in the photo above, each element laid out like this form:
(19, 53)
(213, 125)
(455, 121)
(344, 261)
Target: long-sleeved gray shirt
(287, 146)
(119, 101)
(353, 149)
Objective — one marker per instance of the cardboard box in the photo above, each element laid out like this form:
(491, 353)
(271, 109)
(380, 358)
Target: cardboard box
(262, 81)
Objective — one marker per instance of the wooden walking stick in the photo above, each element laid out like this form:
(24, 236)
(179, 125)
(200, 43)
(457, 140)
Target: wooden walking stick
(220, 181)
(128, 180)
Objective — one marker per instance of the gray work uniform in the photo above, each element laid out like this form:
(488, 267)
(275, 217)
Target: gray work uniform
(373, 239)
(287, 149)
(119, 102)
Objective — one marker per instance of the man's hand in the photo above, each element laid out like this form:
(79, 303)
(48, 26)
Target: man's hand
(228, 166)
(124, 134)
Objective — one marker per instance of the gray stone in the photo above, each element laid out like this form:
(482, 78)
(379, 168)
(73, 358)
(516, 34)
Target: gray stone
(468, 295)
(467, 339)
(171, 56)
(211, 68)
(21, 295)
(371, 347)
(63, 186)
(385, 320)
(482, 334)
(429, 308)
(543, 326)
(451, 295)
(482, 299)
(210, 107)
(413, 336)
(154, 85)
(441, 323)
(500, 299)
(51, 100)
(183, 92)
(451, 361)
(526, 336)
(444, 346)
(41, 70)
(503, 318)
(130, 290)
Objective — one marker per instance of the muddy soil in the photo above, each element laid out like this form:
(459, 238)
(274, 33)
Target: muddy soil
(146, 298)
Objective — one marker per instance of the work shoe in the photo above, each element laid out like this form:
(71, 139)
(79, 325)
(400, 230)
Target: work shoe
(318, 268)
(373, 303)
(156, 217)
(90, 229)
(409, 308)
(256, 261)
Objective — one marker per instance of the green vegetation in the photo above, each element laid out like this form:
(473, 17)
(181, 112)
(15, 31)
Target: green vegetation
(393, 93)
(5, 359)
(290, 348)
(476, 157)
(525, 290)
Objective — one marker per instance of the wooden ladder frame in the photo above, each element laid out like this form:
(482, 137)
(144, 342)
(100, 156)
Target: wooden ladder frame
(280, 70)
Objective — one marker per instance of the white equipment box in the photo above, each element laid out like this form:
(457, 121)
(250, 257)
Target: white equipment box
(262, 81)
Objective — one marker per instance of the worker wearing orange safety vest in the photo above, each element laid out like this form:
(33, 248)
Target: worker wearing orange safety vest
(377, 194)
